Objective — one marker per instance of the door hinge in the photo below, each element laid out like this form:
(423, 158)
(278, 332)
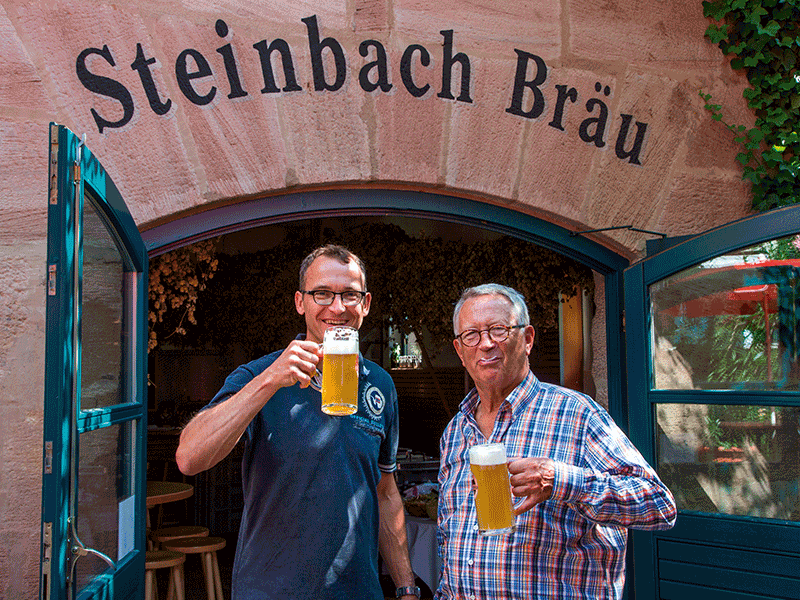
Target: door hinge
(53, 187)
(48, 458)
(51, 280)
(47, 556)
(76, 172)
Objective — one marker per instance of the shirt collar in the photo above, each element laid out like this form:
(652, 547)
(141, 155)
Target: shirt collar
(518, 399)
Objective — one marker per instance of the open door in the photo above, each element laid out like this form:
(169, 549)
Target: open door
(93, 496)
(713, 336)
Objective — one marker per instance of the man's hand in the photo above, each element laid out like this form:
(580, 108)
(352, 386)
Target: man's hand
(297, 364)
(532, 479)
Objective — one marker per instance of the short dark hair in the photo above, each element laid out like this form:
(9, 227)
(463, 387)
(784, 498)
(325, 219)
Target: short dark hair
(340, 253)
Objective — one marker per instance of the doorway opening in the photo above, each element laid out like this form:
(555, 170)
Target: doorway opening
(247, 311)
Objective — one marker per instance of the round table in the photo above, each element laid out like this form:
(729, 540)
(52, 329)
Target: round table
(161, 492)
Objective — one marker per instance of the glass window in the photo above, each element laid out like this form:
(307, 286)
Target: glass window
(730, 322)
(736, 460)
(103, 322)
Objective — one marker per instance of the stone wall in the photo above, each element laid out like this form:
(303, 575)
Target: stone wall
(175, 100)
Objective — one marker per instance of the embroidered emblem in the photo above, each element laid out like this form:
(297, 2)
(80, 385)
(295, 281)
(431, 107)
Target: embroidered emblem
(374, 400)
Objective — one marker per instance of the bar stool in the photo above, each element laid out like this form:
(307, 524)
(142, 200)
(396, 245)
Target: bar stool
(162, 559)
(207, 548)
(166, 534)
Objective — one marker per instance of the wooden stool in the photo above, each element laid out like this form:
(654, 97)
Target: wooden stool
(207, 548)
(165, 534)
(161, 559)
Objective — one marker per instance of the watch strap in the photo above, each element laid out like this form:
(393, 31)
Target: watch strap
(408, 590)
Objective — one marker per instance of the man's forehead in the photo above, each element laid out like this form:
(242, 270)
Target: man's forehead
(326, 266)
(496, 303)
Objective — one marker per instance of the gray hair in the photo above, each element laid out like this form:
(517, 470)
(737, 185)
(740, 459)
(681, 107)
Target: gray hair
(517, 300)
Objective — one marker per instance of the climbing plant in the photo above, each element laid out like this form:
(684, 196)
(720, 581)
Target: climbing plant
(763, 39)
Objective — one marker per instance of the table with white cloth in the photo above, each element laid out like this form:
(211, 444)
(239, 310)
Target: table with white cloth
(425, 562)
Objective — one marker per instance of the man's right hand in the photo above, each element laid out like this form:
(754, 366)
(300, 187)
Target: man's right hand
(296, 364)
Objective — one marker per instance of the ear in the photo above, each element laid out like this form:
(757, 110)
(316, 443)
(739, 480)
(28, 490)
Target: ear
(530, 335)
(298, 303)
(457, 346)
(365, 304)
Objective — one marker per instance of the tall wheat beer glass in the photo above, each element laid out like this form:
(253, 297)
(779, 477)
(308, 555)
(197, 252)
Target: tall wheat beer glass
(340, 371)
(493, 498)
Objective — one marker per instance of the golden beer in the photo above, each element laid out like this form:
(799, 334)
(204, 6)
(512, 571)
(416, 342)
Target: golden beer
(340, 371)
(493, 497)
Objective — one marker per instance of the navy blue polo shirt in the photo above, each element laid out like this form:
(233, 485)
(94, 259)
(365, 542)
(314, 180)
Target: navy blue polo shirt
(309, 528)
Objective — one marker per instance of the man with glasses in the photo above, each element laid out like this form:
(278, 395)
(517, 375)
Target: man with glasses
(581, 481)
(320, 499)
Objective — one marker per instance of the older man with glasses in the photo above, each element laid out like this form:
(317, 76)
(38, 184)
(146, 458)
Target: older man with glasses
(581, 481)
(320, 498)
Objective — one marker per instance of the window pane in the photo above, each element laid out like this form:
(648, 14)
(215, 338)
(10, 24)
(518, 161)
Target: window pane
(102, 321)
(737, 460)
(104, 481)
(730, 322)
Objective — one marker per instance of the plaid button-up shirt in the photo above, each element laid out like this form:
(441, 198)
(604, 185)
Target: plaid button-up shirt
(570, 546)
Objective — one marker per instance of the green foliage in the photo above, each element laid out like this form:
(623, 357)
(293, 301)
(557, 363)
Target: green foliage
(414, 282)
(763, 39)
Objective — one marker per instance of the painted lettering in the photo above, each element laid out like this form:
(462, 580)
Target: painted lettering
(316, 46)
(142, 66)
(633, 154)
(448, 60)
(564, 94)
(185, 77)
(265, 54)
(105, 86)
(407, 69)
(520, 83)
(380, 64)
(230, 62)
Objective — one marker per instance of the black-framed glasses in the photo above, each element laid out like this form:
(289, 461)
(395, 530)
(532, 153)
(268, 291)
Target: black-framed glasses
(497, 333)
(325, 297)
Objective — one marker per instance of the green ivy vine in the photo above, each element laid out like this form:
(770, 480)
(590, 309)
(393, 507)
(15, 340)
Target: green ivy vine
(763, 39)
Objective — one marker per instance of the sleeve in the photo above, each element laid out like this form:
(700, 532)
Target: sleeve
(614, 485)
(387, 454)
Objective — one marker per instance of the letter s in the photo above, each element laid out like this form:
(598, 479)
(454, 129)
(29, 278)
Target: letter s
(105, 87)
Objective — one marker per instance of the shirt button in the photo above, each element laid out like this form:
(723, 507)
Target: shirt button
(475, 528)
(470, 562)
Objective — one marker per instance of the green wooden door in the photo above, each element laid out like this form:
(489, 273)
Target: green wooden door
(93, 496)
(713, 336)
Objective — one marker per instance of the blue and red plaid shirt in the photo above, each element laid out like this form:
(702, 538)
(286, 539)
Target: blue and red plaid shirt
(570, 546)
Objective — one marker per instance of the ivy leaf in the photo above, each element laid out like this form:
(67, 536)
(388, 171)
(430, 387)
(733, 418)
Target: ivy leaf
(716, 33)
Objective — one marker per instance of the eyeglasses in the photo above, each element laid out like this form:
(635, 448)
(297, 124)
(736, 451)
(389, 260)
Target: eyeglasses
(325, 297)
(497, 333)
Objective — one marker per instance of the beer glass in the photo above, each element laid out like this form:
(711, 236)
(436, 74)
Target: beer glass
(493, 498)
(339, 385)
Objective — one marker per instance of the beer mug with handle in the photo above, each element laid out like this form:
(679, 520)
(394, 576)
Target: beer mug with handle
(493, 502)
(339, 386)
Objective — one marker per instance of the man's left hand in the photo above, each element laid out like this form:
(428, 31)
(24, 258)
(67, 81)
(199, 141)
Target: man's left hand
(532, 479)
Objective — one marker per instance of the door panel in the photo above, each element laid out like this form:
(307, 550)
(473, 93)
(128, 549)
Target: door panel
(714, 400)
(95, 404)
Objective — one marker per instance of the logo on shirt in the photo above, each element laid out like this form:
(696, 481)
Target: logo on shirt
(374, 400)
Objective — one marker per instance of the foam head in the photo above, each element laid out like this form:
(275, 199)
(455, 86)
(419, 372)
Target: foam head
(487, 454)
(340, 340)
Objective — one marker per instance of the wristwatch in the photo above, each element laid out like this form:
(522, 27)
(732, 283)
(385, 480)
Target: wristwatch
(409, 590)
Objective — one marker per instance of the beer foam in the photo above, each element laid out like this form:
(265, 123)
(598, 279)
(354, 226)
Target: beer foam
(336, 343)
(487, 454)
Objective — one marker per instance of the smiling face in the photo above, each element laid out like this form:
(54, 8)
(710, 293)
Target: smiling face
(328, 273)
(496, 367)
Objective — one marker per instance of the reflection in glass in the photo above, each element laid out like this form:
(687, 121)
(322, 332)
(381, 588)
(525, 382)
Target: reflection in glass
(730, 322)
(102, 328)
(737, 460)
(105, 480)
